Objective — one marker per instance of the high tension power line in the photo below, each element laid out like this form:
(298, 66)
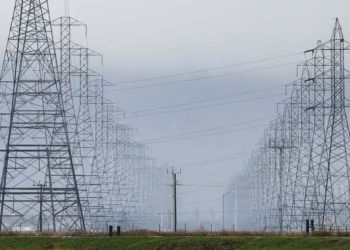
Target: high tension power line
(70, 164)
(205, 106)
(67, 163)
(208, 69)
(201, 78)
(300, 171)
(210, 131)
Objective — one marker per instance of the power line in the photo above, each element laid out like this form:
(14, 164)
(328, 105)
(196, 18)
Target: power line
(204, 106)
(203, 78)
(200, 164)
(209, 129)
(207, 100)
(202, 135)
(204, 186)
(207, 69)
(209, 212)
(200, 202)
(207, 135)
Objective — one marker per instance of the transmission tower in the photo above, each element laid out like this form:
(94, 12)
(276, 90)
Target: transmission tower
(301, 170)
(38, 183)
(331, 194)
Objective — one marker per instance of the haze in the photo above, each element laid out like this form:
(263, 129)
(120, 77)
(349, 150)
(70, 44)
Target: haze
(142, 39)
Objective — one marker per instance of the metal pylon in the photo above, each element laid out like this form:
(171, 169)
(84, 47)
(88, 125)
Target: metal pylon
(38, 184)
(331, 193)
(312, 180)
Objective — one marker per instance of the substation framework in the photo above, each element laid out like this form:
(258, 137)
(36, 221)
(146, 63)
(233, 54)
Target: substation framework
(300, 171)
(67, 162)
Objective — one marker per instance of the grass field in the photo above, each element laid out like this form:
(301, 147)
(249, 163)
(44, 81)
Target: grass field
(178, 243)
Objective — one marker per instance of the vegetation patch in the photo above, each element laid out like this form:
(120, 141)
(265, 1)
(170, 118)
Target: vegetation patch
(175, 243)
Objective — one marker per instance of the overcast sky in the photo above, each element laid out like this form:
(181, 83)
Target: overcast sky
(141, 39)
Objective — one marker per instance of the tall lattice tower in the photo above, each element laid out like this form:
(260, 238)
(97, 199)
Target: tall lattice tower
(330, 203)
(38, 185)
(315, 180)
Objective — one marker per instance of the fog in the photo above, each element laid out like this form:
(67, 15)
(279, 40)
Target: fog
(145, 39)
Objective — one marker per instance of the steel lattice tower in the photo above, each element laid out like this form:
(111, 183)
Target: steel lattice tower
(331, 197)
(38, 184)
(301, 170)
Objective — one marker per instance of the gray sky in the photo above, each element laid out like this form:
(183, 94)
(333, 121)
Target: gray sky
(141, 39)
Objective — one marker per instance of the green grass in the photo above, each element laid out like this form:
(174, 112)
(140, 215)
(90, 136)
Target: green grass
(175, 243)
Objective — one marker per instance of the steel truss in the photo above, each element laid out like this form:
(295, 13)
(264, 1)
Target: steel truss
(301, 169)
(68, 161)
